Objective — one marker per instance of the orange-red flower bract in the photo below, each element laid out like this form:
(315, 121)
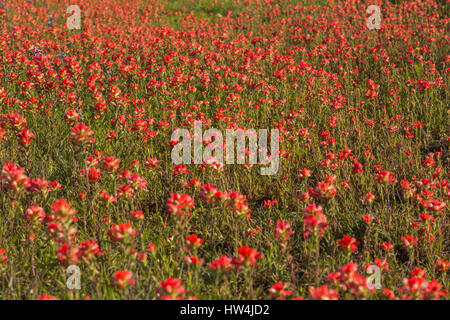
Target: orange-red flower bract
(247, 256)
(122, 232)
(348, 243)
(122, 158)
(122, 279)
(170, 289)
(179, 204)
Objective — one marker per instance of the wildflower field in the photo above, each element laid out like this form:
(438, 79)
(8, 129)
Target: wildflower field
(92, 205)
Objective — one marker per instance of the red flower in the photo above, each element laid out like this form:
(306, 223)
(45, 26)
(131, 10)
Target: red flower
(193, 260)
(68, 255)
(122, 279)
(280, 291)
(384, 177)
(89, 249)
(179, 204)
(323, 190)
(180, 169)
(35, 213)
(14, 121)
(314, 220)
(14, 177)
(367, 218)
(152, 163)
(137, 215)
(82, 134)
(247, 256)
(25, 137)
(194, 241)
(238, 204)
(348, 243)
(46, 297)
(223, 263)
(94, 174)
(386, 246)
(368, 198)
(151, 247)
(39, 185)
(443, 265)
(122, 232)
(171, 289)
(3, 133)
(323, 293)
(62, 208)
(2, 256)
(304, 173)
(409, 241)
(268, 203)
(111, 163)
(283, 230)
(71, 116)
(417, 287)
(357, 167)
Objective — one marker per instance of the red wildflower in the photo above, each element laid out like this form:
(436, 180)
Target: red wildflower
(323, 293)
(122, 232)
(122, 279)
(179, 204)
(171, 289)
(280, 291)
(348, 243)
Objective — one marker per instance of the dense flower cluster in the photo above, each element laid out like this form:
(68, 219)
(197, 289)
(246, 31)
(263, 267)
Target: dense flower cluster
(87, 179)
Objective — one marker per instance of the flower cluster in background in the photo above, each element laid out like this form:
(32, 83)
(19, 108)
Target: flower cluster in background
(86, 178)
